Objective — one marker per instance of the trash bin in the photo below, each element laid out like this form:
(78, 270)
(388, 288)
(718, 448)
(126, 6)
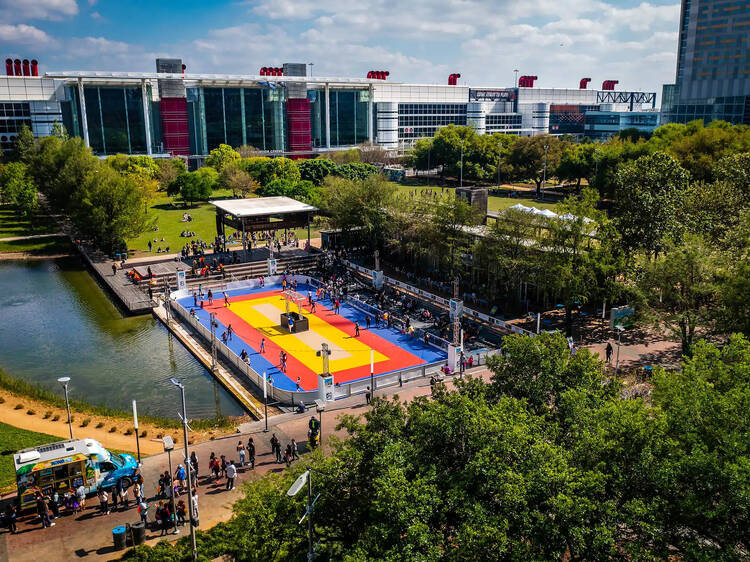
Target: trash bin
(119, 537)
(138, 532)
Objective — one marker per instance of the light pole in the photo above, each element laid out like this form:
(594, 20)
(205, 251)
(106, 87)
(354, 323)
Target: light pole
(64, 382)
(544, 177)
(179, 385)
(135, 425)
(372, 373)
(306, 478)
(310, 64)
(516, 80)
(620, 330)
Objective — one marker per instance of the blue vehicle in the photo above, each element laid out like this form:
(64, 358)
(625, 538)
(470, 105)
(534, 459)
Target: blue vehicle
(67, 465)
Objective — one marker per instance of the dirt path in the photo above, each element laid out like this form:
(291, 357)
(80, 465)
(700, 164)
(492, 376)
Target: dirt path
(110, 431)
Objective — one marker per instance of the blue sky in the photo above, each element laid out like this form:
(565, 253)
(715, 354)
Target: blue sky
(420, 41)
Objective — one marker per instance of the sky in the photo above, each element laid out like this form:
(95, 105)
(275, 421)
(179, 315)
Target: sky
(417, 41)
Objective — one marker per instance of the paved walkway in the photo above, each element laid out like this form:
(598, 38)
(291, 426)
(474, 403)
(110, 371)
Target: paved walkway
(89, 535)
(31, 237)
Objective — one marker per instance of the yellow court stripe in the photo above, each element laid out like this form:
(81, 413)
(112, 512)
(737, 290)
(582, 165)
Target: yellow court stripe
(352, 352)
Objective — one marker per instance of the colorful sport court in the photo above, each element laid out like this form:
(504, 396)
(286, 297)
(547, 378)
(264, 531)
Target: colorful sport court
(254, 314)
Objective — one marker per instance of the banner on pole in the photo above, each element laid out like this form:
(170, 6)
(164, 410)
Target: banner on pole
(181, 280)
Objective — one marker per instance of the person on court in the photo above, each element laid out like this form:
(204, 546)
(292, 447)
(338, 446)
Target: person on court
(226, 300)
(263, 345)
(356, 329)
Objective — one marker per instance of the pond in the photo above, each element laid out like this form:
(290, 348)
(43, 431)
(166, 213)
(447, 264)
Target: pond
(57, 321)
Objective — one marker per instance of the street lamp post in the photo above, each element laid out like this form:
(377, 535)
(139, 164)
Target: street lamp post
(135, 425)
(372, 373)
(64, 382)
(310, 64)
(620, 330)
(516, 79)
(179, 385)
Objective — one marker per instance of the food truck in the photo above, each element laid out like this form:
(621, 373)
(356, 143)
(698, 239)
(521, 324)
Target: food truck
(67, 465)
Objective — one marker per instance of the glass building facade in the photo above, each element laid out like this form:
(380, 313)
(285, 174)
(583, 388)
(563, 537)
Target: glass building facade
(417, 120)
(114, 116)
(713, 64)
(13, 116)
(349, 124)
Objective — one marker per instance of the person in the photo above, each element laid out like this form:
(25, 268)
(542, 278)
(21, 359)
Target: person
(43, 510)
(137, 492)
(181, 509)
(298, 386)
(312, 307)
(11, 514)
(230, 330)
(226, 300)
(276, 447)
(194, 502)
(181, 475)
(114, 269)
(194, 464)
(163, 516)
(123, 493)
(263, 345)
(210, 297)
(81, 496)
(368, 395)
(195, 298)
(295, 453)
(241, 453)
(301, 408)
(103, 497)
(609, 351)
(356, 329)
(367, 320)
(288, 454)
(251, 453)
(54, 505)
(215, 467)
(231, 472)
(143, 511)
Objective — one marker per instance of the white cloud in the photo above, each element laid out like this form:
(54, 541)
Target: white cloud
(15, 10)
(24, 35)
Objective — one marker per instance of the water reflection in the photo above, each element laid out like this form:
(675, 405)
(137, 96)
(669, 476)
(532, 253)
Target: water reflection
(57, 321)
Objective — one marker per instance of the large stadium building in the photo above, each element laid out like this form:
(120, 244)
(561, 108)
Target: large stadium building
(283, 110)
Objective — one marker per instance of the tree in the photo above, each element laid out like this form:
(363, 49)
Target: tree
(649, 193)
(344, 156)
(530, 160)
(17, 188)
(108, 207)
(449, 216)
(356, 170)
(365, 204)
(679, 289)
(239, 181)
(222, 156)
(698, 151)
(576, 162)
(24, 147)
(247, 151)
(195, 186)
(316, 170)
(168, 170)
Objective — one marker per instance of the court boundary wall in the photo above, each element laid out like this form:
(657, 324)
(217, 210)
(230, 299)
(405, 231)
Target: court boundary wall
(288, 397)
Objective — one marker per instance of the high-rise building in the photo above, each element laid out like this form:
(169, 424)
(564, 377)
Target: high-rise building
(713, 64)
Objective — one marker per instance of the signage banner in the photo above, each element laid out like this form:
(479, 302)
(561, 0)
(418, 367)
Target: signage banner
(272, 266)
(181, 281)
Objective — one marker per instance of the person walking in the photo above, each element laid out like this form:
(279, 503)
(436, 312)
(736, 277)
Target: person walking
(295, 453)
(312, 307)
(143, 511)
(241, 453)
(114, 269)
(11, 514)
(226, 300)
(251, 453)
(356, 329)
(210, 297)
(181, 509)
(231, 472)
(609, 352)
(137, 493)
(230, 331)
(103, 498)
(81, 496)
(368, 395)
(194, 464)
(262, 345)
(367, 320)
(194, 502)
(276, 447)
(43, 510)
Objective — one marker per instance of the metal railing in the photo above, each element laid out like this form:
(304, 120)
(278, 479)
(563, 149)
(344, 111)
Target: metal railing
(291, 397)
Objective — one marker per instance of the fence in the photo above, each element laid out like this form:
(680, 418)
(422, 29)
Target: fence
(468, 312)
(287, 396)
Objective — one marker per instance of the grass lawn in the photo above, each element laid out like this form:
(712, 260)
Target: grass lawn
(14, 439)
(493, 203)
(169, 211)
(48, 245)
(13, 224)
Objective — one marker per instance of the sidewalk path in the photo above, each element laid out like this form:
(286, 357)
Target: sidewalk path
(32, 237)
(89, 535)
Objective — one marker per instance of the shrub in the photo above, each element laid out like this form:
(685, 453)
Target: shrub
(100, 425)
(159, 435)
(129, 431)
(18, 407)
(85, 422)
(56, 417)
(47, 415)
(2, 400)
(30, 412)
(113, 429)
(144, 433)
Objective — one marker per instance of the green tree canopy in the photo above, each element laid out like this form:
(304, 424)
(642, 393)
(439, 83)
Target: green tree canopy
(221, 156)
